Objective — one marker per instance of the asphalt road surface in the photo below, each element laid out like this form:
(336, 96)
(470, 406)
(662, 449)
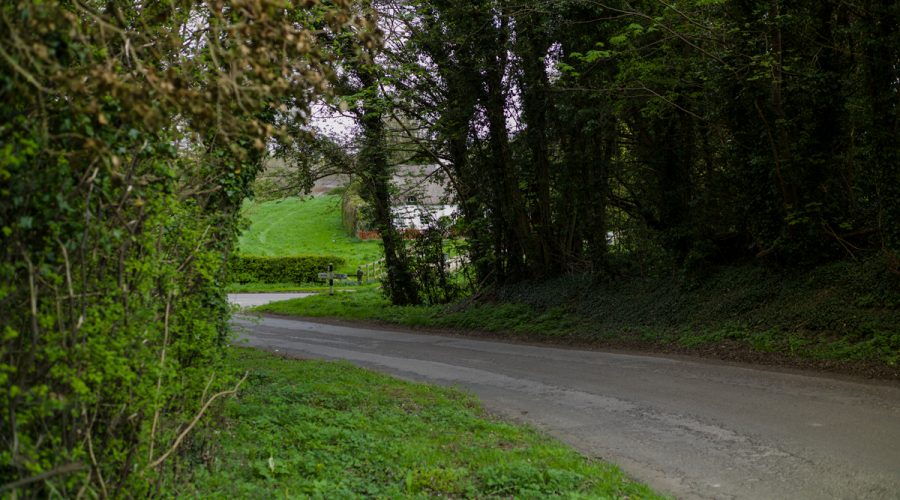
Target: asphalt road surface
(258, 299)
(689, 428)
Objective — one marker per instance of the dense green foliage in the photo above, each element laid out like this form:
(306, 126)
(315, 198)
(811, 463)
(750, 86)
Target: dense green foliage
(649, 137)
(295, 269)
(842, 312)
(129, 133)
(352, 211)
(330, 430)
(304, 226)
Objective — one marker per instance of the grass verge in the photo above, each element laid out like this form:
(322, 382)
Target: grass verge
(330, 430)
(518, 320)
(843, 316)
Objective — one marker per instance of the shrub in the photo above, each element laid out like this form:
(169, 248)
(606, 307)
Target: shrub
(353, 211)
(296, 269)
(121, 176)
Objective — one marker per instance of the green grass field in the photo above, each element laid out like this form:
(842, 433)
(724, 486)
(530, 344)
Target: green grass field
(304, 226)
(313, 429)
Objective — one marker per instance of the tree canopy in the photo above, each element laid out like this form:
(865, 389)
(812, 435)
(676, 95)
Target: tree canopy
(602, 136)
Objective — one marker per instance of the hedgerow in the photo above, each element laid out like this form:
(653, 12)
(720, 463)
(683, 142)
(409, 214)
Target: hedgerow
(296, 269)
(129, 134)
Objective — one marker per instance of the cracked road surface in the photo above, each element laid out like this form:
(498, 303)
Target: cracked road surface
(689, 428)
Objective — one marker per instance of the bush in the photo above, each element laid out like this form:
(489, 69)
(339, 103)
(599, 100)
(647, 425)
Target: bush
(120, 185)
(296, 269)
(353, 211)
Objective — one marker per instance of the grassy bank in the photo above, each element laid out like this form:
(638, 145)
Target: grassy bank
(304, 226)
(330, 430)
(842, 313)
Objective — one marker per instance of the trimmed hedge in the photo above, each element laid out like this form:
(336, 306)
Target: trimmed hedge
(296, 269)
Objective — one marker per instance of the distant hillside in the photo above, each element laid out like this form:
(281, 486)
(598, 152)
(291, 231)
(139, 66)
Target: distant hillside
(303, 226)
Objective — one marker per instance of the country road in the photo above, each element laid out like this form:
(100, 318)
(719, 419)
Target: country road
(258, 299)
(689, 428)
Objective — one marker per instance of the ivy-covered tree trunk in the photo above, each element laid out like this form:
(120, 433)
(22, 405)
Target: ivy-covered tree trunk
(375, 173)
(446, 39)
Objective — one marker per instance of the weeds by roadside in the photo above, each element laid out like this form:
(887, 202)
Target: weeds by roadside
(331, 430)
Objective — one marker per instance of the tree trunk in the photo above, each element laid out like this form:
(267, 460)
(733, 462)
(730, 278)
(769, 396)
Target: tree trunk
(517, 241)
(532, 45)
(400, 286)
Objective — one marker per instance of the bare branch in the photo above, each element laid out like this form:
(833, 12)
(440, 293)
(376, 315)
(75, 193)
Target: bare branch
(196, 419)
(68, 468)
